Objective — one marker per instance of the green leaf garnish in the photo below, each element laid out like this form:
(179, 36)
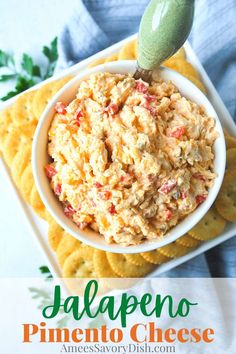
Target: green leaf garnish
(5, 59)
(23, 83)
(44, 269)
(27, 64)
(51, 52)
(30, 73)
(10, 94)
(7, 77)
(36, 71)
(52, 56)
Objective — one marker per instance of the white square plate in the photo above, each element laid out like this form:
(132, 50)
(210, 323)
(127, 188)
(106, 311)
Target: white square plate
(38, 227)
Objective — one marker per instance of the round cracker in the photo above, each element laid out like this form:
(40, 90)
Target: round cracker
(102, 266)
(231, 159)
(180, 54)
(124, 268)
(96, 62)
(197, 82)
(174, 250)
(20, 162)
(5, 122)
(79, 264)
(210, 226)
(10, 145)
(136, 259)
(36, 203)
(188, 241)
(113, 57)
(45, 93)
(128, 51)
(27, 182)
(155, 257)
(58, 84)
(230, 142)
(42, 97)
(66, 246)
(22, 114)
(182, 66)
(186, 69)
(55, 234)
(226, 200)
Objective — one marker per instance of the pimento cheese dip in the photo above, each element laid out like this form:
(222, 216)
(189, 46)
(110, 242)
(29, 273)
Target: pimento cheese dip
(130, 160)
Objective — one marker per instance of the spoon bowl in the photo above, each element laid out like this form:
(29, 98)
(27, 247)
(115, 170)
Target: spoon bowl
(164, 27)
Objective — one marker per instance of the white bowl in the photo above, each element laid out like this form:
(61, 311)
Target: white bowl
(40, 158)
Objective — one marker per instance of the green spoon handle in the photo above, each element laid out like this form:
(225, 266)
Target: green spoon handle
(164, 27)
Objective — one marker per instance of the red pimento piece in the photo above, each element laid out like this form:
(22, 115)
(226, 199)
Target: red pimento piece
(168, 214)
(150, 98)
(50, 171)
(82, 225)
(105, 195)
(69, 210)
(200, 199)
(141, 86)
(151, 109)
(167, 186)
(60, 108)
(200, 177)
(98, 185)
(57, 189)
(177, 133)
(79, 114)
(112, 209)
(183, 195)
(112, 109)
(127, 178)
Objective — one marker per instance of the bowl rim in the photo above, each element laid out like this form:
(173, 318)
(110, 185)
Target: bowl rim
(148, 245)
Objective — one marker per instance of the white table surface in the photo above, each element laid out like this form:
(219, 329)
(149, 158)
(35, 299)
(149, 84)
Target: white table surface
(25, 26)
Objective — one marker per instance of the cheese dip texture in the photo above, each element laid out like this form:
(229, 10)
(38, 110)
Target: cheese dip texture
(130, 160)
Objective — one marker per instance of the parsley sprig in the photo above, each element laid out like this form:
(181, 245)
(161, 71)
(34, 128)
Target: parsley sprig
(29, 73)
(45, 271)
